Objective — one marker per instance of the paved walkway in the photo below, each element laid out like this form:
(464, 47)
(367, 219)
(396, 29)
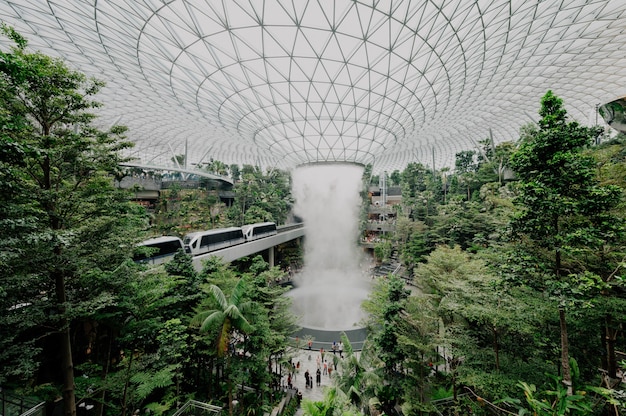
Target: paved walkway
(308, 361)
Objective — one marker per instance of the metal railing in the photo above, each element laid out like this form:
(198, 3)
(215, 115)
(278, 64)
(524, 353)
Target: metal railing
(196, 408)
(39, 410)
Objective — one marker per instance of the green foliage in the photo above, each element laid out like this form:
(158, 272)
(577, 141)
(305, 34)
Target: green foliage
(291, 408)
(66, 229)
(147, 382)
(383, 250)
(556, 402)
(556, 179)
(615, 399)
(564, 209)
(181, 265)
(386, 316)
(227, 317)
(356, 377)
(261, 197)
(334, 402)
(416, 248)
(476, 295)
(179, 211)
(441, 392)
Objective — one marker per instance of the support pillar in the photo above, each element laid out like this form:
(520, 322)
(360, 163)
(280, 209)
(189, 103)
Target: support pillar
(270, 256)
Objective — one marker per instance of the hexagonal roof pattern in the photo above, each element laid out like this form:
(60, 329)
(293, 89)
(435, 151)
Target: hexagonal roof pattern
(289, 82)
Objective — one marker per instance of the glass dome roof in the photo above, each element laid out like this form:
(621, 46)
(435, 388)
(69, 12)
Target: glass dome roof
(288, 82)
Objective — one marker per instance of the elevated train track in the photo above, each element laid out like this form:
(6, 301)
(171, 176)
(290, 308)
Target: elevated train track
(285, 233)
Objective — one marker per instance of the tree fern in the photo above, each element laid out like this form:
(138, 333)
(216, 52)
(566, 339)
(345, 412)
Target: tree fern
(147, 381)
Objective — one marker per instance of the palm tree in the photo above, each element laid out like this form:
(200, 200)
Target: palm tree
(228, 317)
(325, 407)
(355, 379)
(334, 402)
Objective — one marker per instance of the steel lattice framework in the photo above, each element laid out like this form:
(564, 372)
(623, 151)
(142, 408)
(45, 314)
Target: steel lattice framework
(287, 82)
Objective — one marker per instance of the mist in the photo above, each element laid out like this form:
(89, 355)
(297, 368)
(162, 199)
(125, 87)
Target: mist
(334, 281)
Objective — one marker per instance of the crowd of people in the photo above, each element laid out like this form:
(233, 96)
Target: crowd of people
(325, 364)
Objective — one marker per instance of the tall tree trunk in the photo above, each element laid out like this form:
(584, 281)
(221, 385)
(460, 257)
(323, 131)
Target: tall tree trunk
(567, 375)
(69, 397)
(610, 338)
(230, 385)
(105, 373)
(566, 371)
(67, 362)
(127, 383)
(609, 335)
(604, 359)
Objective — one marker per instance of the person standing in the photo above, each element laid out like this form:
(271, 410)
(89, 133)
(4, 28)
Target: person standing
(306, 378)
(318, 377)
(325, 367)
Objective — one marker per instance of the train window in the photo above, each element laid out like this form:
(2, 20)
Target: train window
(168, 247)
(159, 248)
(263, 229)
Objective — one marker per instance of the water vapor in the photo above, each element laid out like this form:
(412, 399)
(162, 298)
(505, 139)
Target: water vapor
(329, 290)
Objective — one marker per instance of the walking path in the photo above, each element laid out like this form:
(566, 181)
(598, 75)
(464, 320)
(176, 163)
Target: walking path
(322, 338)
(308, 361)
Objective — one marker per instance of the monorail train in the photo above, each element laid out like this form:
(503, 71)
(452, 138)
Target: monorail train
(202, 242)
(259, 230)
(206, 241)
(164, 249)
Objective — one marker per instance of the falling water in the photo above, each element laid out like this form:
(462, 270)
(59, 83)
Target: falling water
(329, 290)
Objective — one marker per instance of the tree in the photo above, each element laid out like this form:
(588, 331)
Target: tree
(66, 175)
(224, 320)
(415, 247)
(413, 182)
(227, 317)
(187, 291)
(466, 168)
(494, 160)
(356, 378)
(143, 310)
(235, 172)
(558, 192)
(395, 177)
(385, 318)
(333, 402)
(274, 323)
(261, 197)
(383, 250)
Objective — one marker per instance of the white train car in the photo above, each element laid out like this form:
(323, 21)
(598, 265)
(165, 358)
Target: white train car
(162, 249)
(259, 230)
(202, 242)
